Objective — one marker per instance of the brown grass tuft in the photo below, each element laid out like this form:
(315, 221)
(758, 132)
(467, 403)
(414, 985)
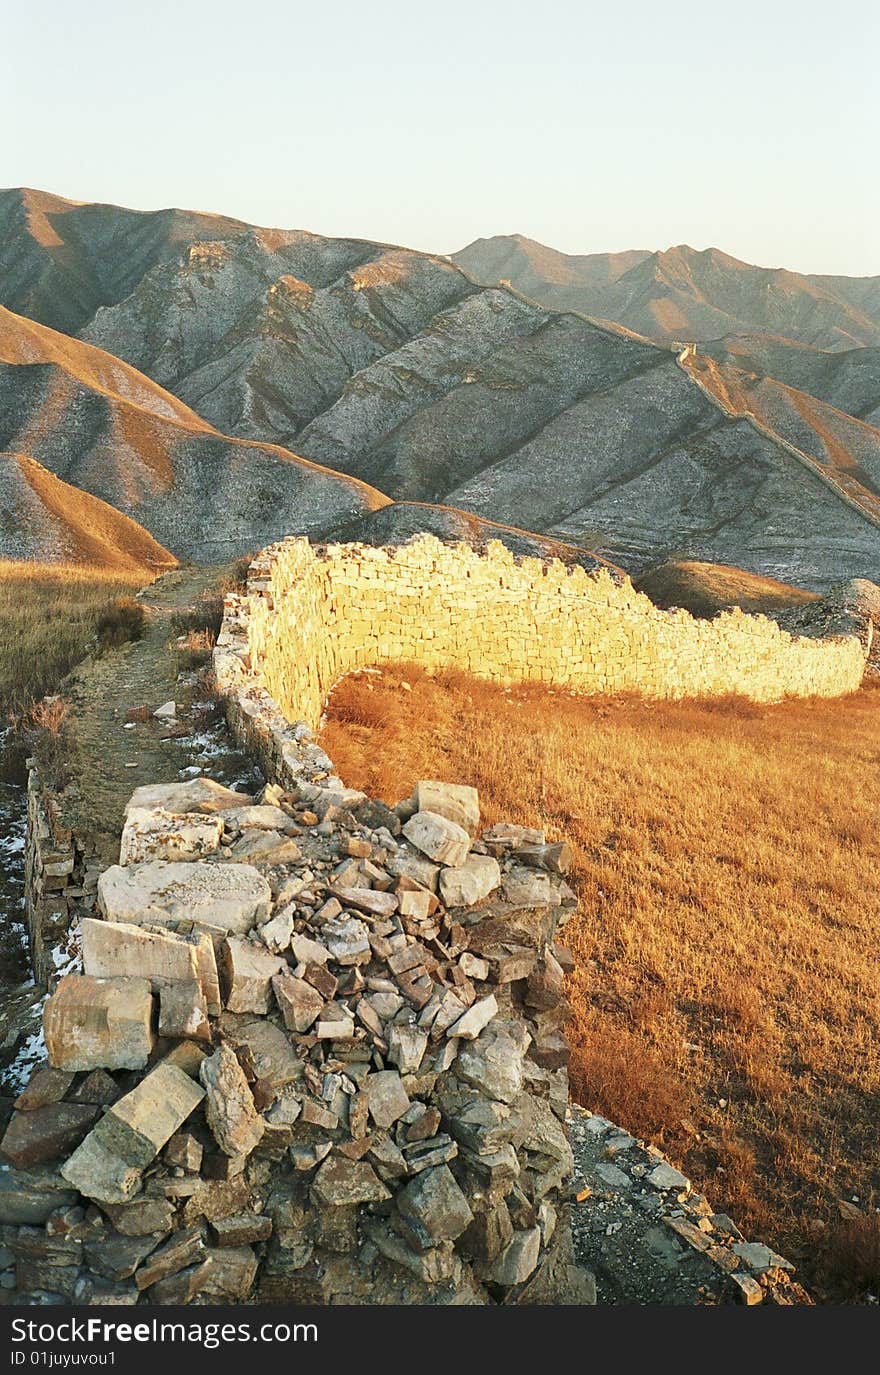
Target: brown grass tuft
(120, 622)
(48, 615)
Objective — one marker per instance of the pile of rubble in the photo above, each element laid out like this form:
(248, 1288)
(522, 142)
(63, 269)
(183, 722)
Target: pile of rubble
(316, 1054)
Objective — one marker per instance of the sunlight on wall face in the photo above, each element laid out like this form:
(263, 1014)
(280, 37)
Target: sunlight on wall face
(316, 616)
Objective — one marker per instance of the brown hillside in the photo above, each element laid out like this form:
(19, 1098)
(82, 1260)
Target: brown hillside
(48, 521)
(704, 589)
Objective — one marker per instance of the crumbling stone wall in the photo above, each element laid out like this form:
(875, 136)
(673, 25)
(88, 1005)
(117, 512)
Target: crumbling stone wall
(311, 616)
(60, 877)
(314, 1054)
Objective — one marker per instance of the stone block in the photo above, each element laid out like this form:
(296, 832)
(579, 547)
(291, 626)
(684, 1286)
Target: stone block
(228, 897)
(230, 1110)
(107, 1166)
(434, 1207)
(195, 795)
(299, 1002)
(45, 1133)
(440, 839)
(92, 1023)
(183, 1013)
(456, 801)
(247, 970)
(474, 880)
(120, 950)
(159, 834)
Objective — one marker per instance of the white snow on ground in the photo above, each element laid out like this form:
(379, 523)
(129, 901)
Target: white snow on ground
(31, 1054)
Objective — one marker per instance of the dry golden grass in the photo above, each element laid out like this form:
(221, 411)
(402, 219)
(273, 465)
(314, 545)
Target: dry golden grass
(48, 614)
(726, 998)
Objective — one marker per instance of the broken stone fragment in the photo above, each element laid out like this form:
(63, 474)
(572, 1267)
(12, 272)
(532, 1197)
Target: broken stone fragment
(184, 1152)
(524, 887)
(340, 1182)
(471, 882)
(265, 847)
(149, 835)
(475, 1020)
(407, 864)
(387, 1097)
(196, 795)
(665, 1176)
(230, 897)
(370, 900)
(117, 1258)
(308, 951)
(183, 1287)
(434, 1207)
(186, 1055)
(417, 903)
(98, 1087)
(92, 1023)
(247, 970)
(183, 1013)
(347, 939)
(406, 1047)
(29, 1197)
(44, 1087)
(473, 966)
(45, 1133)
(242, 1229)
(518, 1259)
(276, 933)
(265, 1051)
(557, 858)
(230, 1110)
(142, 1217)
(231, 1274)
(439, 838)
(263, 817)
(184, 1248)
(546, 985)
(456, 801)
(107, 1166)
(437, 1265)
(299, 1002)
(510, 836)
(492, 1063)
(489, 1233)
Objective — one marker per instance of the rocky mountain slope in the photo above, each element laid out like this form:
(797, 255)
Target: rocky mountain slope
(46, 520)
(106, 429)
(850, 380)
(684, 294)
(397, 371)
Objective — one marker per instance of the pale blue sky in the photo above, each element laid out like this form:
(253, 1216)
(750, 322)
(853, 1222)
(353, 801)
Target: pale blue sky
(750, 126)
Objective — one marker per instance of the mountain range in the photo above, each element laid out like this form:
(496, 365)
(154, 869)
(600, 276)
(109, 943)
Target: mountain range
(223, 384)
(684, 294)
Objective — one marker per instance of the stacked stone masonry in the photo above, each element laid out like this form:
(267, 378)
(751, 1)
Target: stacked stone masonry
(312, 616)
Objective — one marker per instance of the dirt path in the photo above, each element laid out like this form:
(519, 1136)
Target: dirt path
(111, 757)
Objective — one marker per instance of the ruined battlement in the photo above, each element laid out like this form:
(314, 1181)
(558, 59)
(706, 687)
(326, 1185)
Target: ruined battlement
(313, 615)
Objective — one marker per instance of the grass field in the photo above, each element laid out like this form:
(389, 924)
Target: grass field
(48, 614)
(726, 997)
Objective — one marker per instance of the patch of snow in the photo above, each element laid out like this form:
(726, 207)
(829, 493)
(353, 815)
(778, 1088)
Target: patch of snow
(30, 1055)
